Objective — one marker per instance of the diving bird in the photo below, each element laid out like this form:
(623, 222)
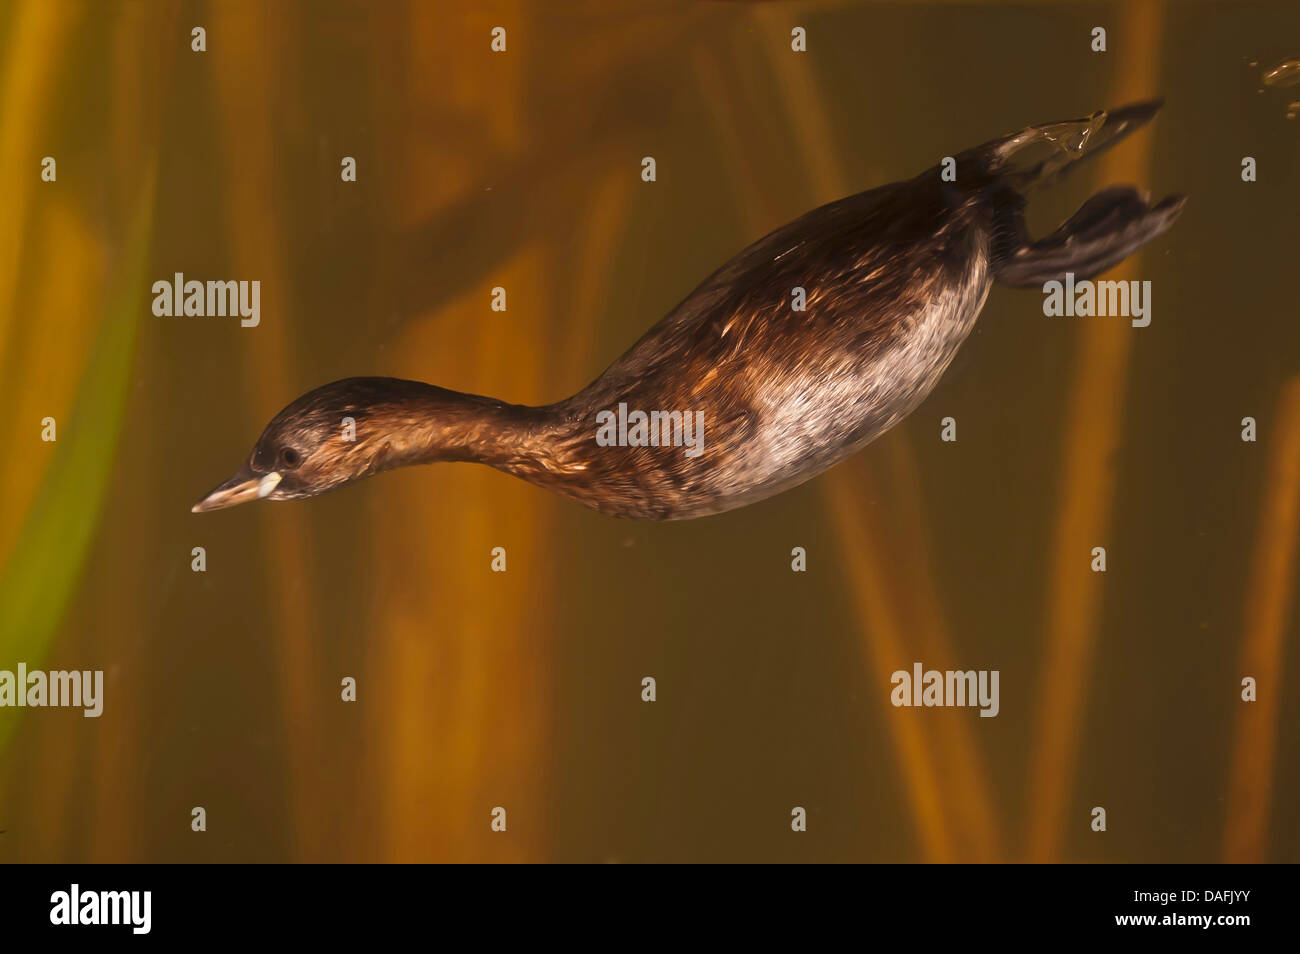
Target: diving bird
(806, 346)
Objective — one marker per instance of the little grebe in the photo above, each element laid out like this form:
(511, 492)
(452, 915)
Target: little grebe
(798, 352)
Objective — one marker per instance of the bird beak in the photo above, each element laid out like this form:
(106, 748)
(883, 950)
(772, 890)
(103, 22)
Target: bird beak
(241, 488)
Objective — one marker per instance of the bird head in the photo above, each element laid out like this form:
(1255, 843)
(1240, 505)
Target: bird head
(319, 442)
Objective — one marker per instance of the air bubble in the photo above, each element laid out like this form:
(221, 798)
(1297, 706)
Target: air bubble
(1284, 74)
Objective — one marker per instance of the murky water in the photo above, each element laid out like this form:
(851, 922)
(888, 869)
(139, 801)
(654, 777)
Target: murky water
(477, 689)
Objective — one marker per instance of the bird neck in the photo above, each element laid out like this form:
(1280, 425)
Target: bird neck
(410, 422)
(554, 447)
(434, 424)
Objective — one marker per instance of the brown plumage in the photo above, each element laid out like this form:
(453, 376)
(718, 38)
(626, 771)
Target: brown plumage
(893, 280)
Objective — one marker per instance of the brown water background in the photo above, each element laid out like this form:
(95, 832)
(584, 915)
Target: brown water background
(522, 690)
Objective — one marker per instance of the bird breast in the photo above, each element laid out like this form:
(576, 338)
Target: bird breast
(891, 283)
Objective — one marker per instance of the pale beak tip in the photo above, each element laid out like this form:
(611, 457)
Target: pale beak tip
(241, 488)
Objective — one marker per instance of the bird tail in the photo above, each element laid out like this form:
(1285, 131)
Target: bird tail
(1106, 229)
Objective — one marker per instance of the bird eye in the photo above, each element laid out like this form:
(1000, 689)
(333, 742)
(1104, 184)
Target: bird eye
(290, 457)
